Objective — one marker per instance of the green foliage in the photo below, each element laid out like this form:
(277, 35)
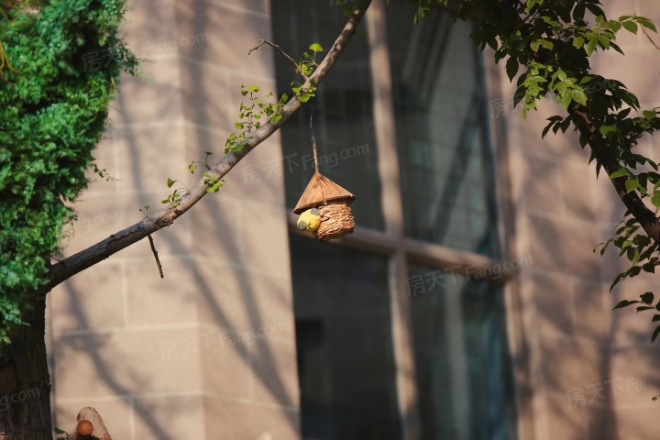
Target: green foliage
(645, 303)
(213, 185)
(174, 199)
(53, 111)
(306, 67)
(552, 41)
(251, 116)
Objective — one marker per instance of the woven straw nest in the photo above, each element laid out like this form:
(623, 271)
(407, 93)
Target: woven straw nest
(333, 202)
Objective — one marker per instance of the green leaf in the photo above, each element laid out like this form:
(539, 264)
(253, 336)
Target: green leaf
(632, 184)
(624, 303)
(578, 42)
(512, 66)
(647, 23)
(304, 98)
(604, 40)
(649, 267)
(316, 47)
(192, 168)
(579, 97)
(630, 26)
(607, 129)
(633, 255)
(614, 25)
(546, 129)
(593, 42)
(547, 44)
(253, 88)
(655, 199)
(649, 114)
(170, 182)
(215, 187)
(620, 173)
(647, 297)
(656, 332)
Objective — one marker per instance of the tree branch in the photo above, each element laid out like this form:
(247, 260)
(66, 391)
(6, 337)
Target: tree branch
(284, 54)
(155, 252)
(126, 237)
(604, 155)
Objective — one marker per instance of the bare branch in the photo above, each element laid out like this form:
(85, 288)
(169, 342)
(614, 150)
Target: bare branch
(126, 237)
(284, 54)
(646, 34)
(649, 38)
(155, 252)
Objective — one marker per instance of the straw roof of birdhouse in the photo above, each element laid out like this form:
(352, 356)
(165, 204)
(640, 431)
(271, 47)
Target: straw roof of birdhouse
(319, 190)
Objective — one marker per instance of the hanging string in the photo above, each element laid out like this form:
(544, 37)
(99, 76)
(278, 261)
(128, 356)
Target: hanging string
(314, 148)
(316, 156)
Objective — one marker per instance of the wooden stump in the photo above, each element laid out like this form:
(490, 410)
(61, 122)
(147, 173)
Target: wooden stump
(90, 426)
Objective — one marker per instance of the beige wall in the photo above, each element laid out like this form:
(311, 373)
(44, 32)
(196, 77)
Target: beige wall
(208, 351)
(565, 338)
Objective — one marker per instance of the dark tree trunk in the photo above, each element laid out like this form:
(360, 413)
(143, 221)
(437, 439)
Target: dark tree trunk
(25, 381)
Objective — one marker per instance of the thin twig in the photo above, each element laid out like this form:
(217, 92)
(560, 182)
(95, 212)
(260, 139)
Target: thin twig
(284, 54)
(155, 252)
(646, 34)
(649, 37)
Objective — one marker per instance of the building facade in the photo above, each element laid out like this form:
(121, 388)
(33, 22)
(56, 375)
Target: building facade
(467, 304)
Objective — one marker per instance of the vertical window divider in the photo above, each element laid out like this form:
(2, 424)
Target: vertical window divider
(392, 203)
(496, 84)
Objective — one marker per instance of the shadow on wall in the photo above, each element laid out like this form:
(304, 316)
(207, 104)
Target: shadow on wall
(593, 366)
(252, 370)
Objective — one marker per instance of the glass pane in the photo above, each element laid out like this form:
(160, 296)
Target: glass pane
(461, 357)
(446, 164)
(343, 120)
(344, 342)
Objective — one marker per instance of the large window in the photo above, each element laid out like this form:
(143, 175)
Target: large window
(374, 321)
(446, 165)
(460, 352)
(343, 332)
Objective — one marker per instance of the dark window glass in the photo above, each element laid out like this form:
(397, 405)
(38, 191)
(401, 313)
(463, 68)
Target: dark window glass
(343, 120)
(461, 357)
(344, 343)
(445, 160)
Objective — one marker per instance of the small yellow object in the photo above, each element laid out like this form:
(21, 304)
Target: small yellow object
(309, 220)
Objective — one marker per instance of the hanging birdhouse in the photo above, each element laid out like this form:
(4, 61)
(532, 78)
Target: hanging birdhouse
(325, 199)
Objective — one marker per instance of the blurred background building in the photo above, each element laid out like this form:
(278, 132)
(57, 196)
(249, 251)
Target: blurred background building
(468, 304)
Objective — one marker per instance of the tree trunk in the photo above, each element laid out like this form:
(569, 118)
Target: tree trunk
(25, 381)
